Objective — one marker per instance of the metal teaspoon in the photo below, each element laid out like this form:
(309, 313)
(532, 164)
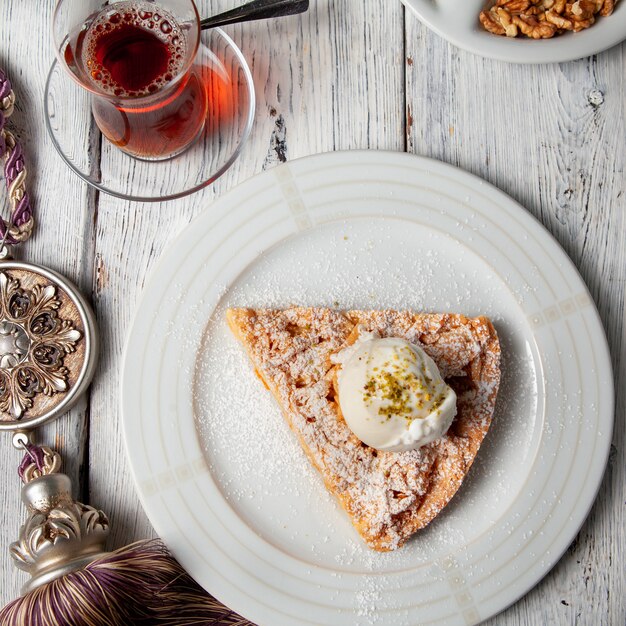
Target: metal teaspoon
(256, 10)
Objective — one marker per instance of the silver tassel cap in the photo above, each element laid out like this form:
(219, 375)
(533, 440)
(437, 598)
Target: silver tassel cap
(60, 535)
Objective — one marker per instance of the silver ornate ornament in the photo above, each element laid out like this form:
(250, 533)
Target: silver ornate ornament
(48, 354)
(48, 344)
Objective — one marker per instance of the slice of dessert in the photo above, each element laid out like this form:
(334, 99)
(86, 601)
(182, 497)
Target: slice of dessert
(364, 392)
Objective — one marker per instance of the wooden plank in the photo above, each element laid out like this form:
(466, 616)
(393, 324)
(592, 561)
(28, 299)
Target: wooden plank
(61, 241)
(332, 79)
(552, 137)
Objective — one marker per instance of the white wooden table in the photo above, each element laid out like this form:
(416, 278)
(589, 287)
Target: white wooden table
(349, 74)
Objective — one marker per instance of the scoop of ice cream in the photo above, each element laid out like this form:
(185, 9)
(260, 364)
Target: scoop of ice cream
(392, 395)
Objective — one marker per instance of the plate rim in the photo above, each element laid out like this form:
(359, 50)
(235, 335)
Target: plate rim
(353, 157)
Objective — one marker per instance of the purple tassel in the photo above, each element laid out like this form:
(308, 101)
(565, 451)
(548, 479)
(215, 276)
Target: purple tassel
(139, 585)
(14, 165)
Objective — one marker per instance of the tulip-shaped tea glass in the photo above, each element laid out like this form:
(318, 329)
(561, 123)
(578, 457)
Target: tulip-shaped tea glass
(138, 59)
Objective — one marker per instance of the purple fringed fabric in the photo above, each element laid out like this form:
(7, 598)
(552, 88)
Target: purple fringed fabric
(139, 585)
(13, 167)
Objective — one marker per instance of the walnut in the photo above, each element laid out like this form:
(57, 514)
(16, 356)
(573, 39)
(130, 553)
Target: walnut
(514, 6)
(491, 23)
(559, 21)
(583, 24)
(532, 27)
(584, 10)
(506, 20)
(607, 7)
(542, 19)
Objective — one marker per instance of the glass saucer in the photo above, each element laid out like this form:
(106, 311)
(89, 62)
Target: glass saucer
(104, 166)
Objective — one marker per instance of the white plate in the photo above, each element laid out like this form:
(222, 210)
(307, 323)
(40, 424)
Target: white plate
(226, 485)
(457, 21)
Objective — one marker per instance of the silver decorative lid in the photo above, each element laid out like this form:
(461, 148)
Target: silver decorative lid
(48, 345)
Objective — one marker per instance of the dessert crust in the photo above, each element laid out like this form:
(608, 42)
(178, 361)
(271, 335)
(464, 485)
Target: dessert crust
(388, 495)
